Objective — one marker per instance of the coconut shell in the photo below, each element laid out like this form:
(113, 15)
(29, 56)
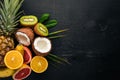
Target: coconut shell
(28, 31)
(40, 53)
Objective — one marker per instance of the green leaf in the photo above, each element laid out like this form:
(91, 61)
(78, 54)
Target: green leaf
(57, 58)
(10, 15)
(56, 32)
(44, 17)
(56, 37)
(51, 23)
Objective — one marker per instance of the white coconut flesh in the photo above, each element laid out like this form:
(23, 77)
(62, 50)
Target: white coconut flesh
(23, 38)
(42, 45)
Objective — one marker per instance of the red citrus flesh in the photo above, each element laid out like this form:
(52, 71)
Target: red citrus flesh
(22, 73)
(27, 55)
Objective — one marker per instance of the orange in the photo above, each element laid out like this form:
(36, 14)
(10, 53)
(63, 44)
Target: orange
(19, 47)
(13, 59)
(39, 64)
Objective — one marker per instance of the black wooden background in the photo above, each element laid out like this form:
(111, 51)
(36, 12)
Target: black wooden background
(92, 44)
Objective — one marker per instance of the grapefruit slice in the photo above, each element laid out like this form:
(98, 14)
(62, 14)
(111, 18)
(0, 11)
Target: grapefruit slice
(22, 73)
(39, 64)
(27, 55)
(13, 59)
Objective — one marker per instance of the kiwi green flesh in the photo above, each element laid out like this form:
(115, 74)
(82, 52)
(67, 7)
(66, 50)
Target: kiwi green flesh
(28, 20)
(42, 30)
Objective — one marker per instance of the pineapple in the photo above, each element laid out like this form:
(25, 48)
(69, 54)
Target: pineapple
(9, 16)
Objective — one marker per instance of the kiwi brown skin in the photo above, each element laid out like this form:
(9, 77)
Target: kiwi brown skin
(28, 31)
(40, 53)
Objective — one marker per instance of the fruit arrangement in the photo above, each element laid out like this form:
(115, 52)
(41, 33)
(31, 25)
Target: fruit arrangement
(25, 41)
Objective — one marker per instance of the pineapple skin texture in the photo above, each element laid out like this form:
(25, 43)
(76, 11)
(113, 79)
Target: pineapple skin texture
(6, 44)
(9, 19)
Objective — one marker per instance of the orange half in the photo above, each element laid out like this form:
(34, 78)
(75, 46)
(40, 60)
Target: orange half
(13, 59)
(39, 64)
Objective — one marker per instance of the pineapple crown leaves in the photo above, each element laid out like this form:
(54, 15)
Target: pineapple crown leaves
(9, 16)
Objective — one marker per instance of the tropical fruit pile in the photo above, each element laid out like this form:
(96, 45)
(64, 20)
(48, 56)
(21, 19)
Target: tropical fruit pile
(25, 41)
(20, 62)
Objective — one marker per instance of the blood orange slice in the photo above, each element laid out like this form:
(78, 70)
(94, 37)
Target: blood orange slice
(22, 73)
(27, 55)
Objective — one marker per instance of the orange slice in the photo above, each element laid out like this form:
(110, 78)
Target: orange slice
(39, 64)
(13, 59)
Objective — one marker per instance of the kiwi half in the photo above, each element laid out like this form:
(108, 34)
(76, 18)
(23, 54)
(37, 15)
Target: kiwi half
(29, 20)
(41, 29)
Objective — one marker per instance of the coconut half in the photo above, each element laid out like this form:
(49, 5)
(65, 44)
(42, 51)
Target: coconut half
(41, 46)
(24, 36)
